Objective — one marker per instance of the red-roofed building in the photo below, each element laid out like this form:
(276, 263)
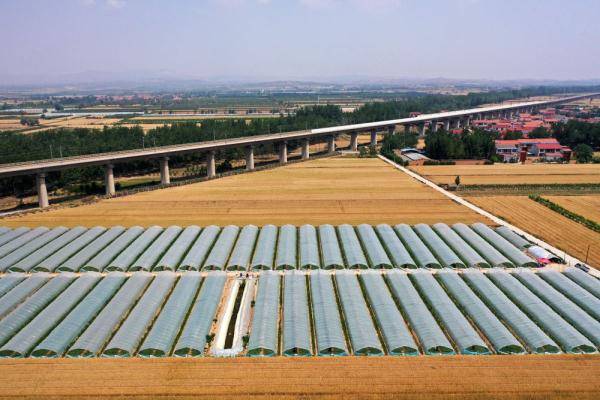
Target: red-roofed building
(546, 148)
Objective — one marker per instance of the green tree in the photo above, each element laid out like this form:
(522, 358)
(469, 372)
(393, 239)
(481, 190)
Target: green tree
(540, 132)
(583, 153)
(513, 135)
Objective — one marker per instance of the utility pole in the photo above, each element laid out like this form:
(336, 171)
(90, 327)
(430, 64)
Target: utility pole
(587, 253)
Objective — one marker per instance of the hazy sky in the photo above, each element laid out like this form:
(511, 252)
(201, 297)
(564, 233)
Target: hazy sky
(296, 39)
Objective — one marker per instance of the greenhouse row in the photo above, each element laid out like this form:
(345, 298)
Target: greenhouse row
(246, 248)
(300, 313)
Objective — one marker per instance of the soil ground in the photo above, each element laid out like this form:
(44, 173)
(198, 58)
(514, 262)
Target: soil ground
(464, 377)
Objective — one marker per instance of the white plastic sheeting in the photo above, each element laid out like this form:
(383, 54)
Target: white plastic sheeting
(571, 340)
(512, 237)
(193, 336)
(330, 248)
(286, 248)
(25, 340)
(504, 246)
(463, 334)
(124, 260)
(173, 255)
(104, 257)
(351, 247)
(244, 247)
(442, 251)
(362, 332)
(195, 257)
(503, 341)
(20, 292)
(400, 257)
(125, 342)
(19, 242)
(417, 248)
(26, 311)
(57, 342)
(93, 339)
(468, 255)
(78, 260)
(430, 335)
(567, 309)
(265, 323)
(493, 256)
(535, 338)
(375, 252)
(55, 260)
(296, 330)
(264, 253)
(219, 254)
(329, 333)
(47, 251)
(7, 282)
(573, 291)
(583, 279)
(148, 259)
(12, 235)
(398, 339)
(309, 248)
(160, 339)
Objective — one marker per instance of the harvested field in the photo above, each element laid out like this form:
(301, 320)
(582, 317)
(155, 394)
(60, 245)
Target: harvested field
(332, 190)
(586, 206)
(546, 224)
(465, 377)
(511, 174)
(11, 124)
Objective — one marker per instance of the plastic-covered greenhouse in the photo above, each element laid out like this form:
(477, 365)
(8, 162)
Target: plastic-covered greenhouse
(327, 322)
(418, 249)
(265, 327)
(296, 317)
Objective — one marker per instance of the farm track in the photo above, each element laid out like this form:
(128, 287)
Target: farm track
(333, 190)
(471, 377)
(544, 223)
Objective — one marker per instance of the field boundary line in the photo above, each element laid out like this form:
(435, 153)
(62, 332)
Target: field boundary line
(569, 259)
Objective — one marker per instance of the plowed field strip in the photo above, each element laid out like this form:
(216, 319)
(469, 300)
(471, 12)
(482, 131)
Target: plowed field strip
(586, 206)
(499, 377)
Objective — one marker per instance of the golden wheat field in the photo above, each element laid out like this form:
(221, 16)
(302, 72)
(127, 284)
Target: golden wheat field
(586, 206)
(465, 377)
(330, 190)
(511, 174)
(545, 224)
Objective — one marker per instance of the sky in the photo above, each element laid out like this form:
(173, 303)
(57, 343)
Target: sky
(300, 39)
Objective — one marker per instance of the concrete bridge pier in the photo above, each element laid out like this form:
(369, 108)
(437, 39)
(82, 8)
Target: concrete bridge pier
(109, 180)
(433, 126)
(392, 129)
(249, 158)
(283, 152)
(42, 191)
(211, 170)
(165, 178)
(354, 141)
(447, 125)
(456, 123)
(373, 138)
(467, 121)
(305, 149)
(331, 144)
(422, 130)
